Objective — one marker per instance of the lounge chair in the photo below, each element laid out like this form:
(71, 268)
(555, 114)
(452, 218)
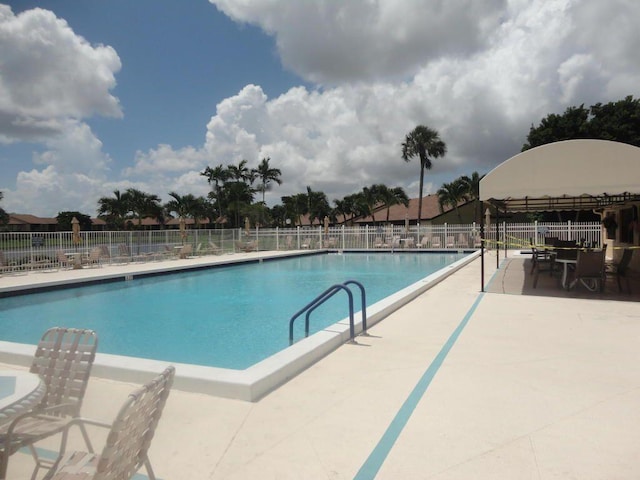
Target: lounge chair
(463, 240)
(306, 243)
(408, 242)
(214, 248)
(451, 243)
(395, 241)
(63, 359)
(377, 243)
(95, 255)
(289, 242)
(621, 269)
(435, 241)
(424, 243)
(126, 449)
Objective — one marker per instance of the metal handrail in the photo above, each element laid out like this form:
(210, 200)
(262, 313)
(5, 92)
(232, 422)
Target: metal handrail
(323, 297)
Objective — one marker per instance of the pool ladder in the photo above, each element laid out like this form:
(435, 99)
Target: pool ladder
(326, 295)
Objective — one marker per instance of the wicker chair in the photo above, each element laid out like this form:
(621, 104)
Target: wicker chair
(127, 445)
(63, 359)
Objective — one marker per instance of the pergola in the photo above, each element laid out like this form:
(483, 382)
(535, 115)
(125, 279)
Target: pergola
(568, 175)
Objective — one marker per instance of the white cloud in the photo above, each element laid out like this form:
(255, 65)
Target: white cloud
(49, 75)
(333, 41)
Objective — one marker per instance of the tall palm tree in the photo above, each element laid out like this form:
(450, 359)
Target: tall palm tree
(216, 176)
(266, 175)
(187, 206)
(424, 143)
(113, 209)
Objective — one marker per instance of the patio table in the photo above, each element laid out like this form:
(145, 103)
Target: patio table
(19, 392)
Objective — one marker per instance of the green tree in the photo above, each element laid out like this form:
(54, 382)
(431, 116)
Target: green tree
(266, 175)
(317, 205)
(216, 177)
(617, 121)
(472, 184)
(64, 221)
(452, 194)
(187, 206)
(141, 204)
(4, 216)
(393, 196)
(424, 143)
(113, 210)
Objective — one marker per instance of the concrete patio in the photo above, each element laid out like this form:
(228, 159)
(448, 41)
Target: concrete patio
(457, 384)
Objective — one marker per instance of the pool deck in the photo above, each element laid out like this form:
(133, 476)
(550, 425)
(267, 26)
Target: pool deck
(457, 384)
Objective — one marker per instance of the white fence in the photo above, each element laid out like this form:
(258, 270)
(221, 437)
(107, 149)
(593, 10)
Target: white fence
(29, 251)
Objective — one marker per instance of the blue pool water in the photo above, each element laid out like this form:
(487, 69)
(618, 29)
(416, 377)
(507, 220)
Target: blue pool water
(229, 317)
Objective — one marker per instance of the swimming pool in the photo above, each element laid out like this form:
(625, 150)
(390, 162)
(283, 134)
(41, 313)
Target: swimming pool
(249, 384)
(228, 317)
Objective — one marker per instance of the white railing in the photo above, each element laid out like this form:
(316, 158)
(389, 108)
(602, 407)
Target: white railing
(35, 250)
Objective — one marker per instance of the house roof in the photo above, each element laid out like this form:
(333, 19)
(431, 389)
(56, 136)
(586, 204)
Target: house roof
(568, 175)
(26, 219)
(398, 213)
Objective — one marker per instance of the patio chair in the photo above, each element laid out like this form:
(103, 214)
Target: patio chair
(289, 242)
(377, 242)
(63, 260)
(540, 258)
(5, 265)
(408, 243)
(186, 251)
(127, 446)
(477, 241)
(63, 359)
(463, 240)
(621, 269)
(435, 241)
(95, 255)
(590, 269)
(306, 243)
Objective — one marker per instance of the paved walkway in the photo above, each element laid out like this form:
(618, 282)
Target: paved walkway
(455, 385)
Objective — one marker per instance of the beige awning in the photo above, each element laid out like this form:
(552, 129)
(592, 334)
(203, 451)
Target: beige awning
(568, 175)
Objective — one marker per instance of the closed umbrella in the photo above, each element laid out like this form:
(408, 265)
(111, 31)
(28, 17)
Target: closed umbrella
(326, 225)
(75, 231)
(247, 225)
(183, 229)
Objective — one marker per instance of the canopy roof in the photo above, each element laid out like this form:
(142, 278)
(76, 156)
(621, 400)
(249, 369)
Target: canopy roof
(567, 175)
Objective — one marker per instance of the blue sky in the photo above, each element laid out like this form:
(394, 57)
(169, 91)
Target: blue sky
(109, 94)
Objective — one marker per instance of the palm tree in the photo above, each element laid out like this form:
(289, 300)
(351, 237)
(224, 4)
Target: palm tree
(216, 176)
(370, 198)
(113, 210)
(142, 204)
(393, 196)
(187, 206)
(423, 142)
(4, 216)
(266, 175)
(317, 206)
(473, 192)
(452, 194)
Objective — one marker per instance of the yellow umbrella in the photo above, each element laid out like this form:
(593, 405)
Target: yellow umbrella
(75, 229)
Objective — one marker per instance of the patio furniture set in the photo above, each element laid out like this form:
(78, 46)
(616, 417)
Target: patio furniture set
(46, 401)
(578, 264)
